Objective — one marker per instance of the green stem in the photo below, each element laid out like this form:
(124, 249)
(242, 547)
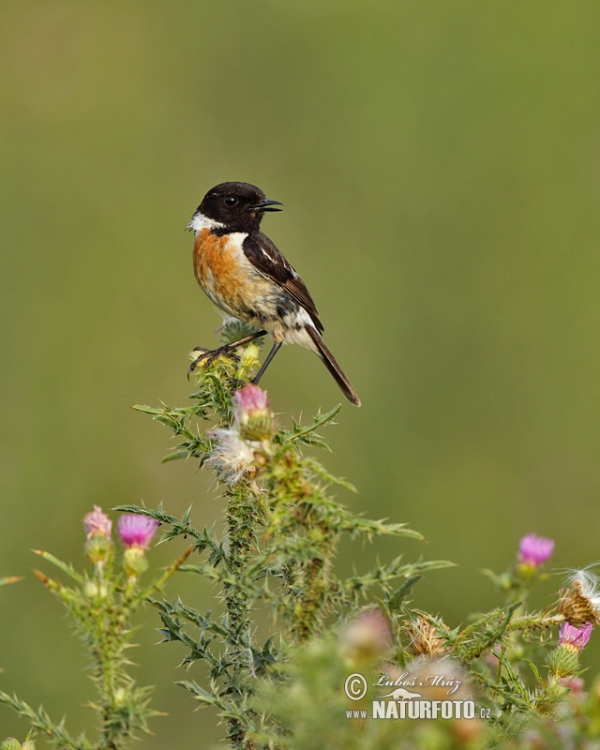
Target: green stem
(240, 522)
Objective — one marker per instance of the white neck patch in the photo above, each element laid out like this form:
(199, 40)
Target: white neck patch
(200, 221)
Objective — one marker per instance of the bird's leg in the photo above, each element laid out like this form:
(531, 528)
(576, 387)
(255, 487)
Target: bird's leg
(227, 350)
(267, 362)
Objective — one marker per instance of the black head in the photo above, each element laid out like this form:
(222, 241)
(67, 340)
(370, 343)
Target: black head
(237, 205)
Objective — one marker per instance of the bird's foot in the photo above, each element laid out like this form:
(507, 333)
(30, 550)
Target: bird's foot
(208, 356)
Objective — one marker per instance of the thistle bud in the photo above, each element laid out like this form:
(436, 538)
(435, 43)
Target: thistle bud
(10, 743)
(98, 549)
(249, 359)
(563, 662)
(134, 562)
(98, 545)
(90, 590)
(251, 413)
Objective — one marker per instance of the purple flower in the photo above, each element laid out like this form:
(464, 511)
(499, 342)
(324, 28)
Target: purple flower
(248, 400)
(251, 413)
(535, 550)
(97, 523)
(136, 531)
(574, 638)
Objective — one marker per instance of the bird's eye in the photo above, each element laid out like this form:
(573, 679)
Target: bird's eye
(231, 200)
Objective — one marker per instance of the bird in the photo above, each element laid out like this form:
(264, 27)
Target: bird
(245, 275)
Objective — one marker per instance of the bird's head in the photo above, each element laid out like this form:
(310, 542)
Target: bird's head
(237, 206)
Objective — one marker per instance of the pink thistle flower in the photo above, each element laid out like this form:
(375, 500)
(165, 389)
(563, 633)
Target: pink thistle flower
(248, 400)
(97, 523)
(535, 550)
(251, 413)
(136, 531)
(368, 636)
(574, 638)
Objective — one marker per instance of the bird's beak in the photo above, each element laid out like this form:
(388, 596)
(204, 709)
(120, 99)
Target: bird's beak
(266, 205)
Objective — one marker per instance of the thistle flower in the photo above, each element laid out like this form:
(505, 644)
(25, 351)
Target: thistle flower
(251, 413)
(564, 660)
(574, 638)
(535, 550)
(580, 603)
(98, 545)
(367, 637)
(97, 523)
(136, 530)
(232, 457)
(136, 533)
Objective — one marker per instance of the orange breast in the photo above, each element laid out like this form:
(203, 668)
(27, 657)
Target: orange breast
(217, 266)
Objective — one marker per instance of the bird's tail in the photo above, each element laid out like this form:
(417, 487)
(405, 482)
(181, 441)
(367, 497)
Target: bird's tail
(333, 367)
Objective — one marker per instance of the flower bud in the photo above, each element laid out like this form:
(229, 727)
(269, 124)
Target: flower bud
(563, 662)
(90, 590)
(134, 562)
(249, 359)
(10, 743)
(98, 549)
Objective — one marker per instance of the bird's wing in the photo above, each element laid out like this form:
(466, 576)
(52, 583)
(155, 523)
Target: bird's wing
(264, 256)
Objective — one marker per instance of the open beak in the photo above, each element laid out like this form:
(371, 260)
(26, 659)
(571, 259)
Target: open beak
(266, 205)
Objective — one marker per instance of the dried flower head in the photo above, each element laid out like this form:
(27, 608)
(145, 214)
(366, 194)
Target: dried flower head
(424, 637)
(580, 603)
(97, 523)
(232, 457)
(136, 530)
(574, 638)
(535, 550)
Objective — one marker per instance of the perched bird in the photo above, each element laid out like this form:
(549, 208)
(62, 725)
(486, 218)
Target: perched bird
(244, 274)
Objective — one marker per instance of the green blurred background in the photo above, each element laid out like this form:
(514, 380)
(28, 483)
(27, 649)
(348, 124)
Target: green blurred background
(440, 169)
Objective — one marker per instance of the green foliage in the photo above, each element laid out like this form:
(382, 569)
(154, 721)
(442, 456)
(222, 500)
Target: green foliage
(289, 639)
(101, 605)
(276, 552)
(289, 631)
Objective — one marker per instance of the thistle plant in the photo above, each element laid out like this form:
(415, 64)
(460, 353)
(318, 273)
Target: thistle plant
(298, 656)
(275, 555)
(101, 603)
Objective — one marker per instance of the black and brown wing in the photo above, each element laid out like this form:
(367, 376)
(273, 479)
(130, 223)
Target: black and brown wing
(265, 256)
